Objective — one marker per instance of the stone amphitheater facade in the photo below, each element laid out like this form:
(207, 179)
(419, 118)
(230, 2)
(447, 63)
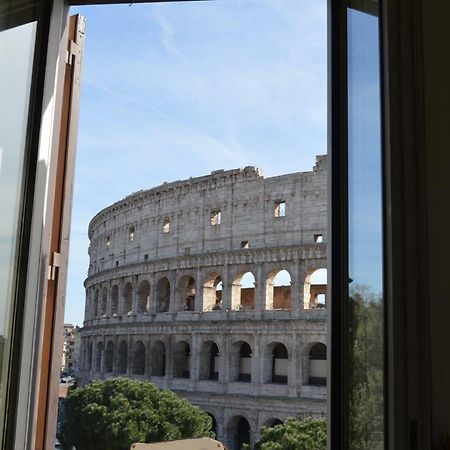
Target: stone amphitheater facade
(165, 298)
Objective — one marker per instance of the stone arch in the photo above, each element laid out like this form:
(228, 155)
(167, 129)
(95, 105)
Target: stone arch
(109, 357)
(276, 363)
(315, 289)
(143, 297)
(212, 292)
(114, 300)
(138, 361)
(122, 358)
(186, 293)
(209, 361)
(163, 295)
(182, 360)
(317, 373)
(98, 356)
(128, 298)
(278, 290)
(243, 291)
(158, 359)
(272, 422)
(241, 362)
(104, 301)
(239, 432)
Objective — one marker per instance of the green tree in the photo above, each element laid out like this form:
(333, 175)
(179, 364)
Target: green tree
(308, 434)
(112, 414)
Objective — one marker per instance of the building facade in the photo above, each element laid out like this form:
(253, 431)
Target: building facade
(70, 356)
(207, 287)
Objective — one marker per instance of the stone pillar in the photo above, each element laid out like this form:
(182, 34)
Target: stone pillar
(130, 354)
(102, 356)
(173, 305)
(224, 360)
(152, 305)
(87, 305)
(226, 289)
(298, 276)
(169, 357)
(148, 358)
(116, 354)
(257, 361)
(135, 299)
(108, 299)
(121, 309)
(199, 291)
(260, 288)
(195, 357)
(293, 375)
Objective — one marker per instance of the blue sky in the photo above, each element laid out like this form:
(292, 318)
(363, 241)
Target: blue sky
(174, 90)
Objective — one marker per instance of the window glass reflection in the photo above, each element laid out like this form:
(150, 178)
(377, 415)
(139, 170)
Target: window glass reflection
(16, 58)
(365, 233)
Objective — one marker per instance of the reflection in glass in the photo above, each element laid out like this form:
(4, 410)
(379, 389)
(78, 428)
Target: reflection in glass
(16, 58)
(365, 233)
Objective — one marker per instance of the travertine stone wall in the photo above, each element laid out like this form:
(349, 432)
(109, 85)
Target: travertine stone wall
(165, 299)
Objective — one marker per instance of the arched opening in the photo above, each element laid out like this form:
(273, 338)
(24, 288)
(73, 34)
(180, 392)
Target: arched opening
(273, 422)
(158, 359)
(109, 357)
(280, 363)
(122, 361)
(138, 363)
(186, 293)
(315, 289)
(209, 361)
(278, 290)
(241, 362)
(163, 295)
(212, 292)
(243, 292)
(318, 365)
(104, 302)
(213, 424)
(98, 357)
(96, 300)
(115, 300)
(128, 298)
(89, 356)
(143, 297)
(182, 360)
(239, 432)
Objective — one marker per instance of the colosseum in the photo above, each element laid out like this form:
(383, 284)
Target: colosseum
(207, 287)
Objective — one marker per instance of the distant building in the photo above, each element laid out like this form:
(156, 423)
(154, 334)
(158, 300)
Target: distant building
(70, 356)
(167, 298)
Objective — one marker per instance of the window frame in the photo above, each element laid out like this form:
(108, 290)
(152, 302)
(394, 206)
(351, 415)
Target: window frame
(407, 413)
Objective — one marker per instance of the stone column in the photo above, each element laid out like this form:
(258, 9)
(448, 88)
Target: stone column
(173, 305)
(195, 358)
(152, 306)
(199, 291)
(116, 354)
(298, 276)
(87, 305)
(148, 357)
(130, 354)
(121, 308)
(108, 299)
(293, 375)
(257, 362)
(135, 298)
(260, 289)
(226, 289)
(224, 360)
(102, 355)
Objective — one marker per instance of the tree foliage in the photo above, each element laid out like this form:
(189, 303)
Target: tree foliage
(366, 374)
(308, 434)
(112, 414)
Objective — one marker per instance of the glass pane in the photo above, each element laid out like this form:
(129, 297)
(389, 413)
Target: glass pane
(365, 233)
(16, 59)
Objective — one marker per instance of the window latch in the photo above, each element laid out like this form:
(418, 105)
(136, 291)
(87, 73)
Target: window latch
(56, 263)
